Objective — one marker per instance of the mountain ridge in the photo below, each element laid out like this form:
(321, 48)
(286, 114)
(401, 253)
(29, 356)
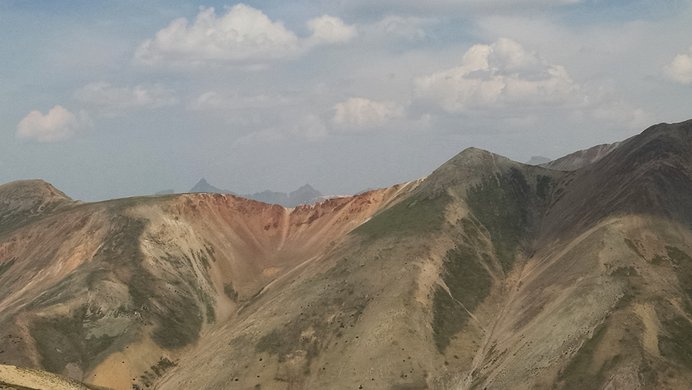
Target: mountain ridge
(581, 158)
(469, 278)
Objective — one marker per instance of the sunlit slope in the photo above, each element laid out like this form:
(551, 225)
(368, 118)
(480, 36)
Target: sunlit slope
(111, 293)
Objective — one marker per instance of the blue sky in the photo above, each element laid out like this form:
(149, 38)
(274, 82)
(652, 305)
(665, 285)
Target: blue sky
(117, 98)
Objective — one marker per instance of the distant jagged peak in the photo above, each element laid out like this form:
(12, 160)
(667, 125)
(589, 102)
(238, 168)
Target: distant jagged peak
(306, 194)
(306, 187)
(306, 190)
(204, 186)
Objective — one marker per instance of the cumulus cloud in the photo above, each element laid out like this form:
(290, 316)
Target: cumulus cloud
(56, 125)
(111, 100)
(242, 36)
(491, 76)
(505, 81)
(360, 113)
(680, 69)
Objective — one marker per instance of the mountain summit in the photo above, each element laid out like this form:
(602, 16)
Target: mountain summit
(204, 186)
(487, 274)
(25, 200)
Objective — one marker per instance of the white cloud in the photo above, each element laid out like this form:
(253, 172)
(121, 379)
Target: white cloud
(497, 75)
(505, 81)
(56, 125)
(243, 36)
(329, 29)
(360, 113)
(680, 69)
(111, 100)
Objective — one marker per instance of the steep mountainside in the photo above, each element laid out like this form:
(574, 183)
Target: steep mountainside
(487, 274)
(604, 300)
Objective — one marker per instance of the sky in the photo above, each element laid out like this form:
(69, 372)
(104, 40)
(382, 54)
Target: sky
(108, 99)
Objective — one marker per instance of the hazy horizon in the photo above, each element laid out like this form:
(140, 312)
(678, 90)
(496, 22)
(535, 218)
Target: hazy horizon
(113, 99)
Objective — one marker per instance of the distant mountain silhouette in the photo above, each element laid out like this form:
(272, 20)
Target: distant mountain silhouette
(204, 186)
(303, 195)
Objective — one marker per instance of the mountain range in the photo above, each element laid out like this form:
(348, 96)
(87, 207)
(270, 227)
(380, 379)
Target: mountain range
(486, 274)
(303, 195)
